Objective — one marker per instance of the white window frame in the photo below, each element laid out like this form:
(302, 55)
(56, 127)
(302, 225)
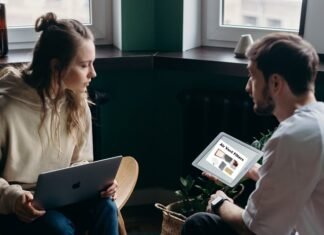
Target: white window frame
(23, 38)
(216, 35)
(313, 24)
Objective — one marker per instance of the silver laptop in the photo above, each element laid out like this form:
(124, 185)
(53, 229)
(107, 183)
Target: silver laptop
(74, 184)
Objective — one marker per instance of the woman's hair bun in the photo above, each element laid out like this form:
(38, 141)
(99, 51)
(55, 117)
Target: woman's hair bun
(44, 21)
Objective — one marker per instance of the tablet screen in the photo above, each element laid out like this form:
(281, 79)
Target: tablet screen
(227, 158)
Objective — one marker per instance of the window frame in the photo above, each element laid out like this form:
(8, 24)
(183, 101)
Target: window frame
(228, 36)
(25, 37)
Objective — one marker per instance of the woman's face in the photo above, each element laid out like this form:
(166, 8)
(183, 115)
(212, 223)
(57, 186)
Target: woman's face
(80, 72)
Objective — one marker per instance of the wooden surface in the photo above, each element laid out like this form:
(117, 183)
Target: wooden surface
(126, 177)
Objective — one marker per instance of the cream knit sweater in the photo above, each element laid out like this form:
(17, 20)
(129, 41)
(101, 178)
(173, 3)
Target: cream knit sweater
(24, 151)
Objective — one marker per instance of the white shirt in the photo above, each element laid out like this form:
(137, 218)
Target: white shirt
(290, 191)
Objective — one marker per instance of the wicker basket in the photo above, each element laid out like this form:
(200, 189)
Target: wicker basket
(172, 221)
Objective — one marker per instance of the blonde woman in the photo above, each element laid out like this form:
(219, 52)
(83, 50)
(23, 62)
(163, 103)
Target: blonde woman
(45, 124)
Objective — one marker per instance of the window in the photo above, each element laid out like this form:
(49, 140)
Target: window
(22, 14)
(250, 20)
(27, 13)
(226, 20)
(274, 23)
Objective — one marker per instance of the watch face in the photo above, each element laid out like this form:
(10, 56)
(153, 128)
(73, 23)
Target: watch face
(217, 200)
(216, 203)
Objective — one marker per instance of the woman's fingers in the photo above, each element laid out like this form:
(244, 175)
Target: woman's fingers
(110, 191)
(24, 209)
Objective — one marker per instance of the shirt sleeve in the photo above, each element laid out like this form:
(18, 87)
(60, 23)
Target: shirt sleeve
(8, 196)
(83, 152)
(287, 179)
(8, 193)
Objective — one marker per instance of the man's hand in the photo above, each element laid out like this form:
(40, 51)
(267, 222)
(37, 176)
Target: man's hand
(211, 177)
(253, 173)
(231, 214)
(111, 191)
(24, 209)
(213, 196)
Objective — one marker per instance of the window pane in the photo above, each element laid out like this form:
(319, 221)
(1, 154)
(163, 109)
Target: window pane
(276, 14)
(23, 13)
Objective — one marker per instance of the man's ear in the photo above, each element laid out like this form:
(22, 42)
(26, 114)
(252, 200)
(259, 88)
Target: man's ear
(275, 82)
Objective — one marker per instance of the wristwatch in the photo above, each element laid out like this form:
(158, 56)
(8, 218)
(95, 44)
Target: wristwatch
(216, 203)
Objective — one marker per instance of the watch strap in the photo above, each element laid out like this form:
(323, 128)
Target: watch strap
(215, 207)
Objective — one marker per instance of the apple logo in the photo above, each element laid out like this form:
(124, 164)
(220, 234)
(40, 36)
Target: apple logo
(76, 185)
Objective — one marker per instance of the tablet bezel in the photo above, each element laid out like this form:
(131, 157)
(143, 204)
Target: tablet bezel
(215, 171)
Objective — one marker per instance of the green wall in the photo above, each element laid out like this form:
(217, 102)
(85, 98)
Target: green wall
(138, 25)
(168, 25)
(144, 118)
(149, 25)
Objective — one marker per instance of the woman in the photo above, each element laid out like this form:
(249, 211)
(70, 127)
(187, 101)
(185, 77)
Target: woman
(45, 124)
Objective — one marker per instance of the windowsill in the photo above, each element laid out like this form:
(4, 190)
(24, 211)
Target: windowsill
(208, 59)
(107, 57)
(16, 57)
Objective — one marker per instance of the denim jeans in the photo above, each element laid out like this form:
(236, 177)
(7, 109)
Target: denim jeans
(207, 224)
(98, 216)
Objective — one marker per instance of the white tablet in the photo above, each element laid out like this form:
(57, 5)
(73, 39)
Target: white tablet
(227, 158)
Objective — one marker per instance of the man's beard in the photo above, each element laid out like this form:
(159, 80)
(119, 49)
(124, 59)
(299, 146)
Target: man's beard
(267, 106)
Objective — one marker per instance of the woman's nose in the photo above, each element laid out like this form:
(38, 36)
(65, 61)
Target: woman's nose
(92, 73)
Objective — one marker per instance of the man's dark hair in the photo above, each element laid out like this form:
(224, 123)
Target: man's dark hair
(289, 56)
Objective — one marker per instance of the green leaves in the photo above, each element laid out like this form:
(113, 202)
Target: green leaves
(195, 194)
(259, 143)
(187, 183)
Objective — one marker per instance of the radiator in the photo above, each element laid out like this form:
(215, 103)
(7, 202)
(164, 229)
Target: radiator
(208, 112)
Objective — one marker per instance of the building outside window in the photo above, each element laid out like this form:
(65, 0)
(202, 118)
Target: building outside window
(28, 11)
(284, 14)
(226, 20)
(274, 23)
(22, 14)
(250, 21)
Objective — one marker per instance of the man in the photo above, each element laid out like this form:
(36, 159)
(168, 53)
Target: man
(290, 184)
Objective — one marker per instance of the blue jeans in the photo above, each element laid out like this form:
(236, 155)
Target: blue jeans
(207, 224)
(98, 216)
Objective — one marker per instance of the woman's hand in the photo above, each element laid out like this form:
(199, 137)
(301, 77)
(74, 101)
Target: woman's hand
(24, 209)
(111, 191)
